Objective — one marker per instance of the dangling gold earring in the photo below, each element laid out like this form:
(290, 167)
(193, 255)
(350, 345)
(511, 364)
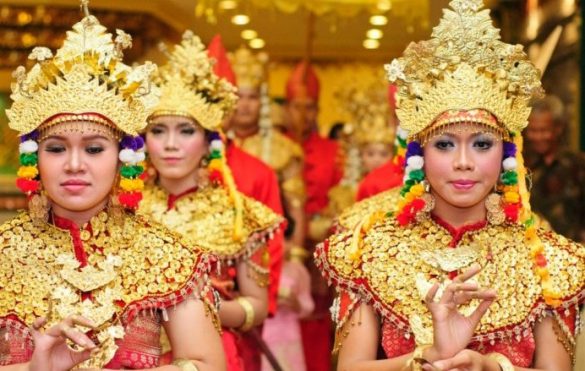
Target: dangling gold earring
(39, 206)
(429, 199)
(493, 205)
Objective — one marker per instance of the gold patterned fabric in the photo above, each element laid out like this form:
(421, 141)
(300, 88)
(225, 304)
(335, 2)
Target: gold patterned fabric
(130, 265)
(205, 217)
(397, 265)
(274, 148)
(383, 202)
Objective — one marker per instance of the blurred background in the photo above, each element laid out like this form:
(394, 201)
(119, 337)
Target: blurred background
(346, 40)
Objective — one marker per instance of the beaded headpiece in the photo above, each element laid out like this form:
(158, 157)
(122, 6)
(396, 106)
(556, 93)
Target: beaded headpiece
(249, 68)
(190, 88)
(464, 66)
(85, 86)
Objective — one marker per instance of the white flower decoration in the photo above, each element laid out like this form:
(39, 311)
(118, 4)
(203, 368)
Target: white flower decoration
(395, 71)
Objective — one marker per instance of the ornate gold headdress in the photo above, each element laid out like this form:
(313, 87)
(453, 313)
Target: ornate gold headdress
(190, 88)
(369, 110)
(249, 68)
(86, 76)
(464, 66)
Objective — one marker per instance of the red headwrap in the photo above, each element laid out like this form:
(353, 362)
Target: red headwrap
(303, 82)
(222, 67)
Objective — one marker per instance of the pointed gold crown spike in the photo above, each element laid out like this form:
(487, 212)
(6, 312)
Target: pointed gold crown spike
(369, 110)
(190, 88)
(464, 66)
(250, 68)
(86, 76)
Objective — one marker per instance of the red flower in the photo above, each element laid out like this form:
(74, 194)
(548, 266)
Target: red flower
(418, 204)
(540, 260)
(130, 200)
(403, 219)
(216, 177)
(511, 211)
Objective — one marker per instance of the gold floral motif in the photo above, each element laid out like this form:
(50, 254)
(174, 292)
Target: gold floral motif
(205, 218)
(39, 277)
(393, 257)
(385, 202)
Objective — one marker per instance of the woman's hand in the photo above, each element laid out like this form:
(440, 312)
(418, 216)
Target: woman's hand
(452, 330)
(51, 351)
(466, 360)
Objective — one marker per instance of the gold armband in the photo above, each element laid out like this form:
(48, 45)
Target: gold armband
(249, 312)
(417, 360)
(502, 360)
(185, 364)
(297, 254)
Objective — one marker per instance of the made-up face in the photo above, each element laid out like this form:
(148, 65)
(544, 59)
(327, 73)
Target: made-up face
(374, 155)
(78, 169)
(462, 165)
(247, 111)
(175, 145)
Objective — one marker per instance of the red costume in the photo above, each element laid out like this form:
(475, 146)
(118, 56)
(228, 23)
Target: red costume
(379, 180)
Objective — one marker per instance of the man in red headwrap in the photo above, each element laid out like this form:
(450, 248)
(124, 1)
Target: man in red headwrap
(321, 172)
(257, 180)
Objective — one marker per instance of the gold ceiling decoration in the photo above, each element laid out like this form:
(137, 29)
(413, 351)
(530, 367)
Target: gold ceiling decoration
(409, 9)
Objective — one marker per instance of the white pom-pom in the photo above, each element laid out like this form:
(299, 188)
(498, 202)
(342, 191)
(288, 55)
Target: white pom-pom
(126, 156)
(510, 164)
(216, 144)
(29, 146)
(401, 133)
(139, 156)
(415, 162)
(408, 169)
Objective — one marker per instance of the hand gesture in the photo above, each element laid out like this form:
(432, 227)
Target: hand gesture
(452, 330)
(51, 351)
(466, 360)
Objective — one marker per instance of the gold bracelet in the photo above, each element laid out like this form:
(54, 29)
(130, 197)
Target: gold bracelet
(185, 364)
(417, 360)
(297, 254)
(249, 312)
(502, 360)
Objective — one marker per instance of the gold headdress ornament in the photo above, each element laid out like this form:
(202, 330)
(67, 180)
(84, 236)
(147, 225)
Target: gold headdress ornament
(369, 110)
(250, 69)
(190, 88)
(463, 67)
(86, 76)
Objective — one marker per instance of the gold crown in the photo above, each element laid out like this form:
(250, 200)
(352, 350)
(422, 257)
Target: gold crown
(464, 66)
(85, 76)
(190, 88)
(249, 68)
(370, 113)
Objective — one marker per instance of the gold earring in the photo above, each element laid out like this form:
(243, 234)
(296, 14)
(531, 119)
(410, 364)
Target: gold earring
(39, 207)
(429, 199)
(495, 212)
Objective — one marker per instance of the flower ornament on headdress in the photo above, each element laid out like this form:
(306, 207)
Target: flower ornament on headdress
(465, 75)
(190, 88)
(84, 82)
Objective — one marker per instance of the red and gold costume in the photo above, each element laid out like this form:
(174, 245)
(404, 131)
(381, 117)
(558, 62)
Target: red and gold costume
(120, 271)
(390, 262)
(393, 258)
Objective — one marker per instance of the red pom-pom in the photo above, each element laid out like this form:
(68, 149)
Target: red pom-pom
(216, 177)
(28, 186)
(511, 211)
(403, 219)
(130, 200)
(418, 204)
(540, 260)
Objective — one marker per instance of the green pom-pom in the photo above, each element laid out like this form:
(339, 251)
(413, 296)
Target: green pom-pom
(401, 142)
(214, 155)
(29, 159)
(510, 178)
(417, 175)
(131, 171)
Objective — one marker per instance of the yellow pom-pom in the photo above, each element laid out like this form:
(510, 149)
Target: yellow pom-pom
(28, 172)
(215, 164)
(417, 190)
(131, 185)
(511, 197)
(409, 197)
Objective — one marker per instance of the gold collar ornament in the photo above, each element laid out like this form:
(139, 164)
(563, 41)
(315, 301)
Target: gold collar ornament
(464, 66)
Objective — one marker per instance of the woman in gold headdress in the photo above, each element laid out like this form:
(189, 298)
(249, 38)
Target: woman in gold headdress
(93, 281)
(194, 191)
(458, 278)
